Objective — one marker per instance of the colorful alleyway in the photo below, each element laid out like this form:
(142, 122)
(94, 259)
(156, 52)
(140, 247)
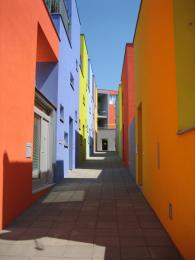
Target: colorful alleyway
(96, 213)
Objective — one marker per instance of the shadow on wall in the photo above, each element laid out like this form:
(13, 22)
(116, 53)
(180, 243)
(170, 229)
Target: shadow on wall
(77, 138)
(17, 189)
(91, 146)
(132, 149)
(82, 149)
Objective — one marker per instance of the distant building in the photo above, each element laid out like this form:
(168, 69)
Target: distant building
(106, 119)
(83, 100)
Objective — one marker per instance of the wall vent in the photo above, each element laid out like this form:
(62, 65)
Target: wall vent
(158, 156)
(170, 211)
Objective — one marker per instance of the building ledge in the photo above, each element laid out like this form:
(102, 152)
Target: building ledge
(185, 131)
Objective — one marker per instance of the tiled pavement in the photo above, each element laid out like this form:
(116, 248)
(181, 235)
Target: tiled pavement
(97, 213)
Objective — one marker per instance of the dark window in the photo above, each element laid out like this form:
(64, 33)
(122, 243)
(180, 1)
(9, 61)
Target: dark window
(61, 113)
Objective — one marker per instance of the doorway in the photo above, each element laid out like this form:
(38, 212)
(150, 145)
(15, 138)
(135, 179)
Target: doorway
(70, 143)
(104, 144)
(42, 173)
(140, 146)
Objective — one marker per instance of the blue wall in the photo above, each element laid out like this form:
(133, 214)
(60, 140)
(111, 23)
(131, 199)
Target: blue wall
(47, 79)
(90, 111)
(66, 95)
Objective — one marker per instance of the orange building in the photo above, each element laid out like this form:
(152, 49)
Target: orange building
(106, 120)
(128, 109)
(32, 39)
(164, 49)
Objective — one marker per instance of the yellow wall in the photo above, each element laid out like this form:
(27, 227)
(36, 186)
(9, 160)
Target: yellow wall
(119, 137)
(171, 178)
(184, 20)
(83, 100)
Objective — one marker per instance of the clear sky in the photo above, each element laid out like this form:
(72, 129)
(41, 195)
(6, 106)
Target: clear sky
(108, 25)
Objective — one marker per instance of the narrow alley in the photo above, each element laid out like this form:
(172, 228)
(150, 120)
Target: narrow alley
(96, 213)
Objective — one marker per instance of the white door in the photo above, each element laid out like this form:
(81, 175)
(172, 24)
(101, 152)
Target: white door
(44, 145)
(36, 146)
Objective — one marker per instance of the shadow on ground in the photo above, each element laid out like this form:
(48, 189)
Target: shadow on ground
(96, 213)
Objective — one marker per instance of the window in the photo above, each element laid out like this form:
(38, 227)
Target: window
(65, 139)
(112, 99)
(77, 66)
(71, 80)
(79, 124)
(83, 100)
(76, 115)
(61, 113)
(81, 63)
(36, 146)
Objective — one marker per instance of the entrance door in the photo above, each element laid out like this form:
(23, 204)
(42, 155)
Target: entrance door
(104, 144)
(44, 146)
(140, 147)
(70, 143)
(36, 147)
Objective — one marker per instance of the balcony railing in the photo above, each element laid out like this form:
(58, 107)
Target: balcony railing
(59, 7)
(102, 113)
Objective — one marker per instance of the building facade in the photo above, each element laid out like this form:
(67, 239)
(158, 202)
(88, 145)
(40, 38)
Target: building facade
(106, 135)
(119, 122)
(66, 19)
(91, 106)
(35, 41)
(163, 98)
(128, 110)
(83, 100)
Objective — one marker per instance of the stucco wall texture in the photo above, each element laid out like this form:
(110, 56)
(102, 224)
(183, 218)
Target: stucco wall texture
(34, 41)
(110, 135)
(168, 172)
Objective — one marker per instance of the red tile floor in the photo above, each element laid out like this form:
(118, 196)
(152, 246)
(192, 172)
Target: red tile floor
(96, 213)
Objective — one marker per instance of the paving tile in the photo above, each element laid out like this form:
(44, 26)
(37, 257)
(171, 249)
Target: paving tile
(135, 252)
(164, 252)
(85, 217)
(85, 251)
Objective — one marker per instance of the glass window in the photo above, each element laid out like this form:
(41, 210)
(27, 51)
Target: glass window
(71, 80)
(36, 146)
(61, 113)
(66, 139)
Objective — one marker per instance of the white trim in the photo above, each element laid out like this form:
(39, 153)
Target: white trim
(42, 114)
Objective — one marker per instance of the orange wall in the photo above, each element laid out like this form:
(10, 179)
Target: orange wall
(156, 89)
(112, 116)
(18, 50)
(128, 97)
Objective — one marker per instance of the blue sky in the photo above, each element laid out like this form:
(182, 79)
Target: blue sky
(108, 25)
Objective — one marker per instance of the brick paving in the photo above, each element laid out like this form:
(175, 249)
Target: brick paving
(97, 213)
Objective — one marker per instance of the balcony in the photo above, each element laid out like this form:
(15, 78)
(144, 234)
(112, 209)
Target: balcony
(59, 7)
(102, 113)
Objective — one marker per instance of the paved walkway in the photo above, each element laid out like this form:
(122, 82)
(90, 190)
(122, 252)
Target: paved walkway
(97, 213)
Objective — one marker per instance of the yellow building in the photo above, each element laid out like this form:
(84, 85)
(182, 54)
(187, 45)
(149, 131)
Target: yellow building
(119, 118)
(83, 100)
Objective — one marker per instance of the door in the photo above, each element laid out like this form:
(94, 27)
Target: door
(70, 143)
(36, 146)
(104, 145)
(140, 147)
(44, 146)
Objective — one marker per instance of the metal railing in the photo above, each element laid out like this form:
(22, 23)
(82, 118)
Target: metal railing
(59, 7)
(102, 112)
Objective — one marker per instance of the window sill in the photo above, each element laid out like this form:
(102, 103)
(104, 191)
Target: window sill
(185, 131)
(42, 188)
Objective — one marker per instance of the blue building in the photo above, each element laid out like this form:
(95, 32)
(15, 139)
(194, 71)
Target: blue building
(91, 111)
(65, 77)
